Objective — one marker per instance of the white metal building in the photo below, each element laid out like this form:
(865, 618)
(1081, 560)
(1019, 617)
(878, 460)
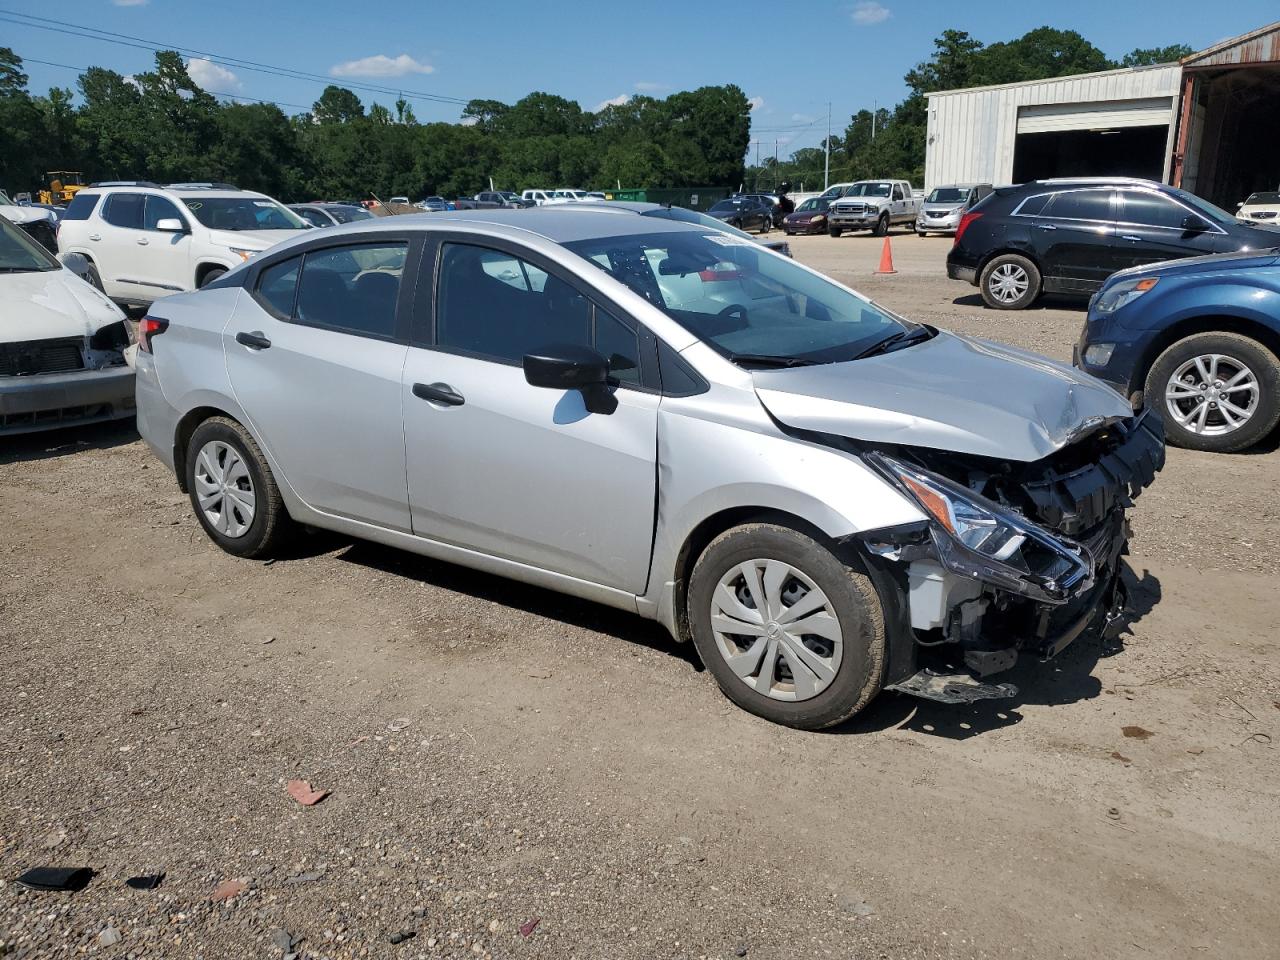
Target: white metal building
(1210, 123)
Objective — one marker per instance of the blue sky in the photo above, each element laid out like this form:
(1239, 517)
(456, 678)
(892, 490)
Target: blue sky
(791, 58)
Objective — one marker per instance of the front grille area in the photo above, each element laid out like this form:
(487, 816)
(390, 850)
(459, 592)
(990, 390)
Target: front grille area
(29, 357)
(1264, 215)
(850, 208)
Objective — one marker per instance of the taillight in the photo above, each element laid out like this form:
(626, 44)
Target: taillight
(967, 219)
(149, 327)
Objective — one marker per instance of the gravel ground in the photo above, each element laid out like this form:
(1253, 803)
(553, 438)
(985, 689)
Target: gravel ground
(498, 754)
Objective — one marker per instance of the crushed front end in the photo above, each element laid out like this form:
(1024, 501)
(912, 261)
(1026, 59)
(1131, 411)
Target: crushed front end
(1016, 558)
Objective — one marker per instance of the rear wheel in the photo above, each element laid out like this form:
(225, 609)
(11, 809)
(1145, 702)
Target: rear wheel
(232, 491)
(789, 632)
(1010, 282)
(1216, 391)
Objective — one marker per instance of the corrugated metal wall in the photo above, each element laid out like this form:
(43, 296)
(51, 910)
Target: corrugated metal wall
(971, 133)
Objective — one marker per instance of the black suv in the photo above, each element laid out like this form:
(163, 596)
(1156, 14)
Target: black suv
(1067, 236)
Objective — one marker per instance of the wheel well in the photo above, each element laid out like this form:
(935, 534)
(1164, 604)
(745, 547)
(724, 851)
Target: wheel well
(712, 527)
(203, 270)
(182, 437)
(1026, 255)
(1190, 326)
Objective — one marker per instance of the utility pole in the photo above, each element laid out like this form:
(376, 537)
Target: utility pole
(826, 170)
(873, 119)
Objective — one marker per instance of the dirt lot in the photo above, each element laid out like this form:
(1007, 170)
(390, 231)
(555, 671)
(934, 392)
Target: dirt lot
(498, 753)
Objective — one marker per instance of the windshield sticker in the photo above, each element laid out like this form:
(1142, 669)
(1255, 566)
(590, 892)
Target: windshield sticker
(263, 203)
(194, 204)
(726, 240)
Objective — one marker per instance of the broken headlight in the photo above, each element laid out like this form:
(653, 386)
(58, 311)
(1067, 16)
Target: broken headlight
(980, 539)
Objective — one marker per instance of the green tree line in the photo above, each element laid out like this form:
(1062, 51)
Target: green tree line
(161, 126)
(894, 145)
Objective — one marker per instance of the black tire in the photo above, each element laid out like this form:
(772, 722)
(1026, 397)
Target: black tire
(1238, 352)
(271, 524)
(922, 233)
(211, 276)
(882, 226)
(852, 597)
(835, 231)
(95, 278)
(765, 224)
(1012, 262)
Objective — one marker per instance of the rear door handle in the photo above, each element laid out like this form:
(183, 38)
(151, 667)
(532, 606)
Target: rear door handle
(1045, 226)
(255, 341)
(95, 236)
(1132, 238)
(438, 393)
(143, 241)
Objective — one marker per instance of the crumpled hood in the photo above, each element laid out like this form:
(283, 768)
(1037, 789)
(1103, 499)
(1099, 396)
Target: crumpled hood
(54, 303)
(948, 393)
(24, 215)
(252, 239)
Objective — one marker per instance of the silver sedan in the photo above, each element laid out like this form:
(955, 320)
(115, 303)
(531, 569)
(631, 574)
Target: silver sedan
(822, 496)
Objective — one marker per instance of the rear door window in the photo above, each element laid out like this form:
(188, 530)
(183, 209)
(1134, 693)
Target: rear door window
(124, 210)
(352, 288)
(1082, 205)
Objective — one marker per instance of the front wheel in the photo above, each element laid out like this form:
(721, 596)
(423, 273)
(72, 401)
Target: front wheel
(211, 276)
(789, 632)
(232, 491)
(882, 226)
(1216, 391)
(835, 231)
(1010, 282)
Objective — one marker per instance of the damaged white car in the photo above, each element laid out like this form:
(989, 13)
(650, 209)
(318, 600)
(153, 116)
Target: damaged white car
(38, 223)
(62, 343)
(827, 499)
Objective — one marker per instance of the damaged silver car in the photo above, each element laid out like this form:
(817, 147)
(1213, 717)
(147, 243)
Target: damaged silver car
(827, 499)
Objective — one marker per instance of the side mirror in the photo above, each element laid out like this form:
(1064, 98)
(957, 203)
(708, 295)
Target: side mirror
(572, 367)
(78, 264)
(171, 225)
(1194, 224)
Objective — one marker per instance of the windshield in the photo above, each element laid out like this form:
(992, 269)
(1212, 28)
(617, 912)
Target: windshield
(869, 190)
(1263, 198)
(20, 254)
(948, 195)
(1203, 207)
(729, 206)
(5, 201)
(740, 298)
(814, 205)
(693, 216)
(243, 213)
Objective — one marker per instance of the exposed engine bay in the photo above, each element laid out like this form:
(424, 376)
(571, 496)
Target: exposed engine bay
(1018, 557)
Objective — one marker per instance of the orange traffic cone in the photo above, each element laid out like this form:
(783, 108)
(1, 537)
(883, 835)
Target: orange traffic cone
(886, 258)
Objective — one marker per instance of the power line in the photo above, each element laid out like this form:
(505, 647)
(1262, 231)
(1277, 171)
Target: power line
(216, 93)
(140, 43)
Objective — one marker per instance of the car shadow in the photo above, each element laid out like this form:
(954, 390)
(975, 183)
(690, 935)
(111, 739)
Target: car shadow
(1046, 302)
(1067, 679)
(539, 601)
(64, 441)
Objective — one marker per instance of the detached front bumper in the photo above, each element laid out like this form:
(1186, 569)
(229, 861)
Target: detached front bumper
(47, 401)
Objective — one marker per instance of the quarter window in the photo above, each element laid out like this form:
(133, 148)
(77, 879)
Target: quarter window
(1082, 205)
(124, 210)
(81, 206)
(1034, 206)
(503, 307)
(1152, 210)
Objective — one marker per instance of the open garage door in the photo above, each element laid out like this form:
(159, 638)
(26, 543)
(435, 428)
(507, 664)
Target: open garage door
(1232, 141)
(1114, 138)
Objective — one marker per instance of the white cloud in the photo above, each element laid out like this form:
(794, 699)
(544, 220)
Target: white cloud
(620, 100)
(381, 65)
(867, 13)
(802, 118)
(130, 3)
(210, 76)
(648, 86)
(756, 103)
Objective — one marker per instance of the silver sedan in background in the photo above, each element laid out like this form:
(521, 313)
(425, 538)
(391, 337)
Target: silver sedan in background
(828, 500)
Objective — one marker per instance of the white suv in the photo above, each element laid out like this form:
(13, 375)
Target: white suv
(145, 241)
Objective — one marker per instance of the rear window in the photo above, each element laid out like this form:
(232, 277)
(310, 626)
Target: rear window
(81, 206)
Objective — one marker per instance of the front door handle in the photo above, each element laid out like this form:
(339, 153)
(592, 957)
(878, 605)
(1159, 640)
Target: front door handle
(438, 393)
(1045, 226)
(143, 241)
(254, 341)
(1130, 237)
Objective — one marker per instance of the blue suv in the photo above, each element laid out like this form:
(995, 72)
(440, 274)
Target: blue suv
(1198, 340)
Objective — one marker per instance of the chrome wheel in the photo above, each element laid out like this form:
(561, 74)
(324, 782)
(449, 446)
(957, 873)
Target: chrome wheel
(1008, 283)
(1212, 395)
(224, 488)
(776, 629)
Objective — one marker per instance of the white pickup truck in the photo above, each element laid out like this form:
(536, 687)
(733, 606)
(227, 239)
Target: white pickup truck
(874, 205)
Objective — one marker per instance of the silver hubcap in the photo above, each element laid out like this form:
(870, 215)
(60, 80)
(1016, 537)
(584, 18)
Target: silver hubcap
(776, 630)
(1212, 395)
(224, 489)
(1008, 282)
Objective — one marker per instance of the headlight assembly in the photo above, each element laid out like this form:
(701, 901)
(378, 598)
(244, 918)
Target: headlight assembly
(244, 254)
(980, 539)
(1113, 298)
